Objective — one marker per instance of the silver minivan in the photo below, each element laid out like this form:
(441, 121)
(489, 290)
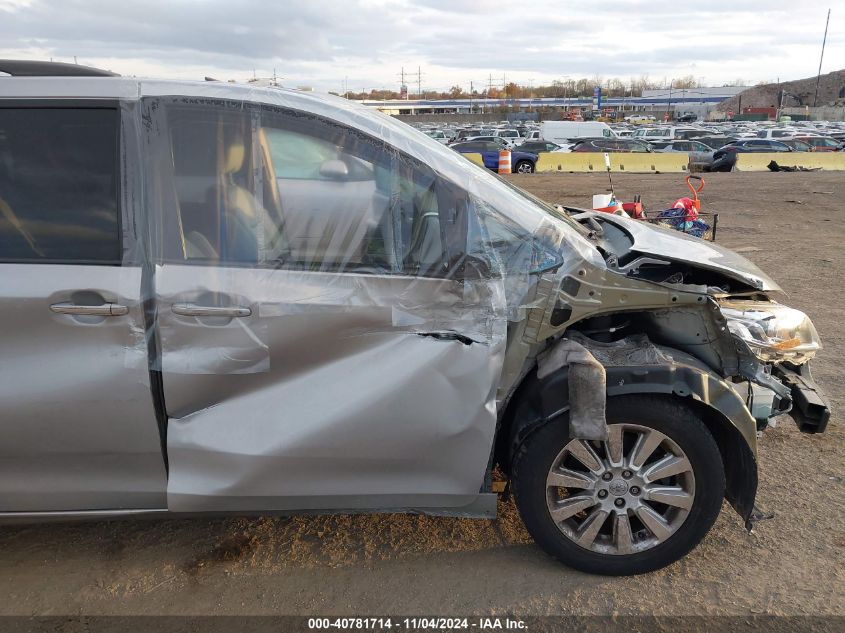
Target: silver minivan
(217, 298)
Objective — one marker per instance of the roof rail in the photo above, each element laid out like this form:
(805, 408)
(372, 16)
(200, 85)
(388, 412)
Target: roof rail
(28, 68)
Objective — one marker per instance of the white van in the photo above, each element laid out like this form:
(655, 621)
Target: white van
(561, 131)
(667, 133)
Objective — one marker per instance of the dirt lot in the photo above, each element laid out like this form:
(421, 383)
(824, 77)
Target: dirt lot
(790, 224)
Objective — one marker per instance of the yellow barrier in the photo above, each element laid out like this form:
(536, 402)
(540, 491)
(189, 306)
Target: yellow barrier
(475, 158)
(759, 161)
(620, 162)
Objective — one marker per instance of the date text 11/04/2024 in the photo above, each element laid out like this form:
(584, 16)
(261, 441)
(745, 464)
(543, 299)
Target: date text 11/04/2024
(416, 623)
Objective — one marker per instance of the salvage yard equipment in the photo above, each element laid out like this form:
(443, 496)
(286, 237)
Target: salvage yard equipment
(701, 225)
(695, 190)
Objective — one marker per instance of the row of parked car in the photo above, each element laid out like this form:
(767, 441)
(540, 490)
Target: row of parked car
(711, 147)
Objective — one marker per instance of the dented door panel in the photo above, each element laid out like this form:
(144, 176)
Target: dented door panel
(331, 393)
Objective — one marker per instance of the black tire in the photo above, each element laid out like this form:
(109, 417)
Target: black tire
(527, 167)
(665, 414)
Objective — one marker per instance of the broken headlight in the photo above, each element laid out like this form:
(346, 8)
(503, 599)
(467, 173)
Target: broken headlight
(772, 331)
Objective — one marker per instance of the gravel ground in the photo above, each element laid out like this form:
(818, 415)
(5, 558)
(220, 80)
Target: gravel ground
(789, 223)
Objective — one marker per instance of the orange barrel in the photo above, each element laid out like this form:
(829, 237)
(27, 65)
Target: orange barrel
(504, 161)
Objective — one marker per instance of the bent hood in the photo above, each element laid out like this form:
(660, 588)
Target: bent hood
(669, 244)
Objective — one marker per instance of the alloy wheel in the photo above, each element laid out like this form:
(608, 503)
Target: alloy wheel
(621, 496)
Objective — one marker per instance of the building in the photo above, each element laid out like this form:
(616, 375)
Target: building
(699, 101)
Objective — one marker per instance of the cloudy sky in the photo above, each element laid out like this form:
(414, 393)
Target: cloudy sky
(322, 43)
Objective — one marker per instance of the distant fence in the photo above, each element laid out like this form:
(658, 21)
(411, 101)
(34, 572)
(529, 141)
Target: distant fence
(821, 113)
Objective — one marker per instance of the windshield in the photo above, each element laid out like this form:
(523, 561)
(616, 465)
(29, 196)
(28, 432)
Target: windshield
(517, 205)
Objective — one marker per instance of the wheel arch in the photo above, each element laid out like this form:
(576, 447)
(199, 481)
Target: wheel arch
(723, 411)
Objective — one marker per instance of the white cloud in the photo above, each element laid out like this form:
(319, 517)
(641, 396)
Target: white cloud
(366, 42)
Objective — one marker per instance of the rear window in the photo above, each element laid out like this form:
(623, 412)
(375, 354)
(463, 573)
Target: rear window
(58, 185)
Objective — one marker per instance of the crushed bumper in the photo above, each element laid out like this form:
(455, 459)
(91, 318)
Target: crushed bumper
(810, 409)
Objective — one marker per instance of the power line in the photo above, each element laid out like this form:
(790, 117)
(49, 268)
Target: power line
(821, 58)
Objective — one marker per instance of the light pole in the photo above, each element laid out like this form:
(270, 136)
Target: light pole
(565, 91)
(669, 105)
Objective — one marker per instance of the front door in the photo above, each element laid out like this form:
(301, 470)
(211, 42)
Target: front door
(77, 425)
(322, 344)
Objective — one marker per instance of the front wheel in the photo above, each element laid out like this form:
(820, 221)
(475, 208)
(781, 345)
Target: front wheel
(629, 505)
(524, 167)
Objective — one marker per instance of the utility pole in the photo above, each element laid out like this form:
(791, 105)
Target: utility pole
(419, 83)
(403, 86)
(821, 58)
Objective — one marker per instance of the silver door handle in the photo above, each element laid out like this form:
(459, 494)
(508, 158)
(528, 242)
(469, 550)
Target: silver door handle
(191, 309)
(106, 309)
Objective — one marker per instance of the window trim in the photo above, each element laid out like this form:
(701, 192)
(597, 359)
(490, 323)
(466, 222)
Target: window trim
(80, 104)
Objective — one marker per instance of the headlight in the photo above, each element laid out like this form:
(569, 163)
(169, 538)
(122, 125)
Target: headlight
(772, 331)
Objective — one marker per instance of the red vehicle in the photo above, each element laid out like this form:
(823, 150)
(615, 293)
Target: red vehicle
(821, 143)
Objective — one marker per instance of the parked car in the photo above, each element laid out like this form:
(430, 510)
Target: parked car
(700, 155)
(667, 133)
(464, 135)
(489, 138)
(778, 133)
(640, 119)
(438, 136)
(521, 162)
(535, 147)
(724, 159)
(224, 299)
(626, 145)
(511, 137)
(797, 145)
(715, 142)
(821, 143)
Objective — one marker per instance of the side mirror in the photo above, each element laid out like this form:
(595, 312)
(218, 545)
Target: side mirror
(334, 170)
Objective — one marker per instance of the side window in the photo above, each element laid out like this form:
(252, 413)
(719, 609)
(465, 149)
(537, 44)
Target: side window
(282, 189)
(58, 185)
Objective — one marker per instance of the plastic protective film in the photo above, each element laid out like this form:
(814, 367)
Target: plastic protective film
(329, 294)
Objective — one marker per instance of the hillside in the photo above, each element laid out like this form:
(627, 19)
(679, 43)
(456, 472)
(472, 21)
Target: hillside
(831, 92)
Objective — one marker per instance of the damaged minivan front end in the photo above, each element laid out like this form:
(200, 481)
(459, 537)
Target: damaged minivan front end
(666, 314)
(298, 304)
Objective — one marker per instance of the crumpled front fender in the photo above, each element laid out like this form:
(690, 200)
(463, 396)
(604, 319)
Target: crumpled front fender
(669, 372)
